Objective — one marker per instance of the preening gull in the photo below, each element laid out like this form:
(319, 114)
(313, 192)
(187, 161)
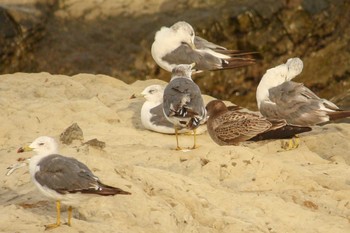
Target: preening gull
(230, 127)
(280, 98)
(152, 115)
(183, 104)
(63, 179)
(178, 45)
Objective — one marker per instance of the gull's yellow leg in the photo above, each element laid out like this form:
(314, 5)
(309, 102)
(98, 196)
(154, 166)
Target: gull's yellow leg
(70, 209)
(58, 218)
(291, 144)
(194, 139)
(177, 139)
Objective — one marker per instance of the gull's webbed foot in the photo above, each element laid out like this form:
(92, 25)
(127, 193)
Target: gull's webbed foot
(291, 144)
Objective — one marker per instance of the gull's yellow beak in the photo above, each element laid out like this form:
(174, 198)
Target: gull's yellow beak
(193, 46)
(24, 149)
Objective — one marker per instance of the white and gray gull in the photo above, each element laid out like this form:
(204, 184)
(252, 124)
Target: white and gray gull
(280, 98)
(178, 44)
(183, 104)
(63, 179)
(152, 115)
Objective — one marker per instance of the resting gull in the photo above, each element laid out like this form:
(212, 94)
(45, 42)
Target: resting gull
(183, 104)
(63, 179)
(280, 98)
(178, 45)
(230, 127)
(152, 115)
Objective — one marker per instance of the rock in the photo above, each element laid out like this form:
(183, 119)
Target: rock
(95, 143)
(73, 132)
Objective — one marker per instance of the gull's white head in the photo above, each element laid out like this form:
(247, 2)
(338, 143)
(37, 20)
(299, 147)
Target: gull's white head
(153, 93)
(43, 145)
(295, 66)
(182, 71)
(276, 76)
(185, 31)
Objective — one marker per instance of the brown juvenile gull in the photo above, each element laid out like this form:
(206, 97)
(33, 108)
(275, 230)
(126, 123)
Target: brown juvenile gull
(183, 104)
(280, 98)
(227, 127)
(152, 115)
(178, 45)
(63, 179)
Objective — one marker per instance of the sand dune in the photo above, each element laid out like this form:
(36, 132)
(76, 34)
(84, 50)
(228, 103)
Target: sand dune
(250, 188)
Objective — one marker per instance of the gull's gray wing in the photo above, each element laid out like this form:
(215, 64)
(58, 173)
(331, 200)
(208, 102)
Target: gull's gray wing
(182, 99)
(202, 43)
(296, 104)
(158, 117)
(184, 54)
(68, 175)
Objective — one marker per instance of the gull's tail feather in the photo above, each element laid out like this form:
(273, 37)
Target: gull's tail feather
(107, 190)
(338, 115)
(239, 53)
(287, 131)
(236, 62)
(237, 58)
(103, 190)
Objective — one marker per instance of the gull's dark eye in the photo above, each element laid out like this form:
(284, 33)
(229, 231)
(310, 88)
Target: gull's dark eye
(151, 91)
(41, 144)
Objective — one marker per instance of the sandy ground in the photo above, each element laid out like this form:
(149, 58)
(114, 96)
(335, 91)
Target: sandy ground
(248, 188)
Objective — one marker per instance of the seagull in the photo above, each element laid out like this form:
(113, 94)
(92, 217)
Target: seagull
(183, 104)
(63, 179)
(178, 45)
(230, 127)
(152, 115)
(280, 98)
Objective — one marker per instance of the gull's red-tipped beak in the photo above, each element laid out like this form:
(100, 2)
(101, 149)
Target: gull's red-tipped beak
(20, 150)
(24, 149)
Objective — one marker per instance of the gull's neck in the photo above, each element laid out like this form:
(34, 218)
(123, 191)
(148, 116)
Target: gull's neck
(272, 78)
(33, 168)
(180, 76)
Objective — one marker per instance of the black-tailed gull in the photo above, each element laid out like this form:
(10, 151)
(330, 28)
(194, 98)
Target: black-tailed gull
(227, 127)
(182, 102)
(152, 114)
(280, 98)
(178, 45)
(63, 179)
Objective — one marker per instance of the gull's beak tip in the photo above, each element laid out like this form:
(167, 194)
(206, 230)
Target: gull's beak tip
(24, 149)
(20, 150)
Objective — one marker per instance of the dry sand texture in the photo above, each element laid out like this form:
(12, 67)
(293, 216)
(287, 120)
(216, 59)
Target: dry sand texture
(248, 188)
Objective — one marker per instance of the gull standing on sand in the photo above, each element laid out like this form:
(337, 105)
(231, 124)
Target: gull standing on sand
(183, 104)
(230, 127)
(280, 98)
(62, 178)
(152, 115)
(178, 45)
